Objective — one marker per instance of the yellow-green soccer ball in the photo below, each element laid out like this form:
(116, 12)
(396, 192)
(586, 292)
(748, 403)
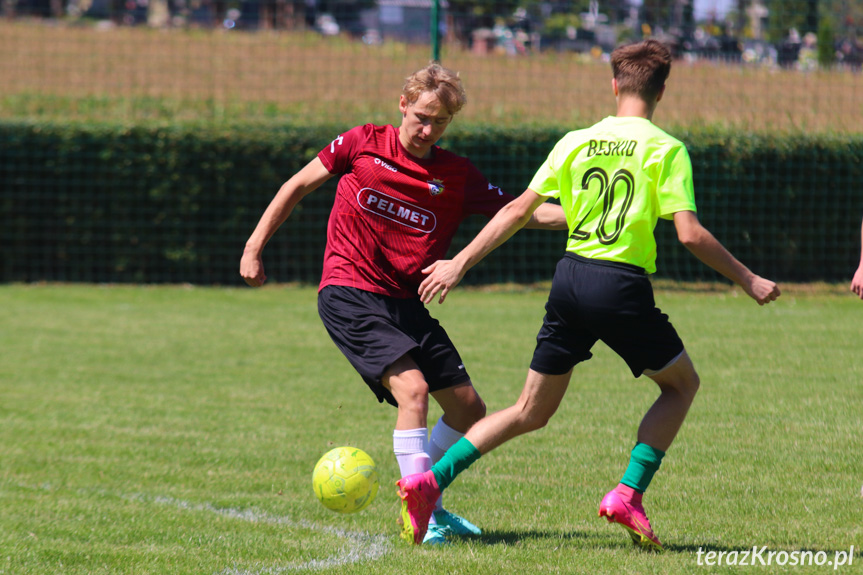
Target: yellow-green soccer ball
(345, 479)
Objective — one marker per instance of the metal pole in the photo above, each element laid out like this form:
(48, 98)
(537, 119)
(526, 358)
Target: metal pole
(435, 30)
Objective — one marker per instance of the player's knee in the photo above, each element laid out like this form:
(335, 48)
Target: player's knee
(476, 410)
(680, 378)
(414, 405)
(533, 418)
(536, 421)
(412, 396)
(691, 384)
(695, 385)
(464, 414)
(463, 405)
(687, 385)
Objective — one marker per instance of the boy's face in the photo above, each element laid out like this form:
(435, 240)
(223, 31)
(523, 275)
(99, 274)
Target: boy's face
(423, 123)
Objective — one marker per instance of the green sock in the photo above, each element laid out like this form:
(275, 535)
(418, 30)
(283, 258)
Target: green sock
(457, 458)
(643, 463)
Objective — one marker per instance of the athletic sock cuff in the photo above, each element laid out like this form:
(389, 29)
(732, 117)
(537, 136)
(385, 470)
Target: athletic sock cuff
(444, 436)
(458, 458)
(647, 454)
(409, 441)
(644, 462)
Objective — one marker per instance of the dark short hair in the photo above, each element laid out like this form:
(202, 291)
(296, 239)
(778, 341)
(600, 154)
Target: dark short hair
(642, 68)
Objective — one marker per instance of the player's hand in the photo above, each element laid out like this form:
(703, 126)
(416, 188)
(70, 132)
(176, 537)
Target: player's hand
(443, 276)
(252, 270)
(762, 290)
(857, 282)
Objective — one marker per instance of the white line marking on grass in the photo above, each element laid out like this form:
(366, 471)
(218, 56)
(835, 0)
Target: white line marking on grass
(361, 546)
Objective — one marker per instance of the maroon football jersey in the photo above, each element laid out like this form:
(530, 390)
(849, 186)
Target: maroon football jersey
(394, 214)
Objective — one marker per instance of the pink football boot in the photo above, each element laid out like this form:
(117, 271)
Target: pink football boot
(419, 493)
(622, 505)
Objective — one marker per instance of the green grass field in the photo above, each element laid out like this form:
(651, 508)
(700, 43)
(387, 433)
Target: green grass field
(173, 430)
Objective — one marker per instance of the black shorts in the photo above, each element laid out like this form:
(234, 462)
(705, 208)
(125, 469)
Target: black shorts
(606, 301)
(374, 330)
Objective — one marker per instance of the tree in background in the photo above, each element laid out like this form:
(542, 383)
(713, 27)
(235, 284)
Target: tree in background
(826, 44)
(785, 15)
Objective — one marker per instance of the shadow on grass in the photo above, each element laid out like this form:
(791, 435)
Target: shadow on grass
(514, 537)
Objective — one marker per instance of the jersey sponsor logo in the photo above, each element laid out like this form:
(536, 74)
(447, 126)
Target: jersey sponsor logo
(436, 186)
(380, 162)
(493, 187)
(397, 210)
(611, 148)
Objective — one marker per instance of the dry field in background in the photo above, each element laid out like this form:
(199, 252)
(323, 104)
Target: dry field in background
(132, 74)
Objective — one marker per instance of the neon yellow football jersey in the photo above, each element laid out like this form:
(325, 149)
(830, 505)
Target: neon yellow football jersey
(615, 180)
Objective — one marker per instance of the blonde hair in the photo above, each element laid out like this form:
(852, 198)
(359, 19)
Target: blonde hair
(443, 82)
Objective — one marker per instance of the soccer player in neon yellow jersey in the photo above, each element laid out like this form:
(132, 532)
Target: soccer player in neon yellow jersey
(614, 180)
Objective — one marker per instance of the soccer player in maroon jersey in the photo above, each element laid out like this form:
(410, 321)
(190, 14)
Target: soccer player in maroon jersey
(399, 202)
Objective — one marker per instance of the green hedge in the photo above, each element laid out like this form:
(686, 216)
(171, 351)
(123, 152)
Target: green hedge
(154, 204)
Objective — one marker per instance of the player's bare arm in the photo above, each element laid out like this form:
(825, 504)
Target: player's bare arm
(707, 248)
(289, 195)
(547, 217)
(444, 275)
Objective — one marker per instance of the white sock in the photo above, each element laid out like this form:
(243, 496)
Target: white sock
(411, 449)
(442, 438)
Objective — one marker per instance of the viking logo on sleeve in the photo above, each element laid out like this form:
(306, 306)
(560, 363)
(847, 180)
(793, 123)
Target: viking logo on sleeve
(397, 210)
(435, 186)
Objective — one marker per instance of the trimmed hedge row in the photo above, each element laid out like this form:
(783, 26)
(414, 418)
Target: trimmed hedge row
(154, 204)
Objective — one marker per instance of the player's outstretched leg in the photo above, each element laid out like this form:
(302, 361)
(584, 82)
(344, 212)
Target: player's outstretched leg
(622, 505)
(419, 493)
(444, 437)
